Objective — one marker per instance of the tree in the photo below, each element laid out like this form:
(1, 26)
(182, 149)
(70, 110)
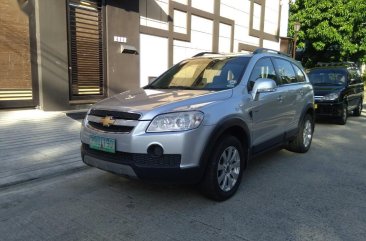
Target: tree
(331, 30)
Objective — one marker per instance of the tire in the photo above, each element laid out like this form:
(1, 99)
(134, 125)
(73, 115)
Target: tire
(358, 110)
(302, 141)
(344, 115)
(224, 170)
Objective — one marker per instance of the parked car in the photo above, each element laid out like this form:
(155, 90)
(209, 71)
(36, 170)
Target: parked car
(201, 120)
(338, 89)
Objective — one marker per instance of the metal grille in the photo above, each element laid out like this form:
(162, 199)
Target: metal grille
(123, 122)
(116, 114)
(136, 159)
(86, 49)
(112, 128)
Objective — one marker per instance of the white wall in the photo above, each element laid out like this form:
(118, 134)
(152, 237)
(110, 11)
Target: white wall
(153, 57)
(154, 13)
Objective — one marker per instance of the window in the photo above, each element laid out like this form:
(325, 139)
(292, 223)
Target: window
(299, 74)
(262, 69)
(328, 77)
(355, 74)
(203, 73)
(285, 71)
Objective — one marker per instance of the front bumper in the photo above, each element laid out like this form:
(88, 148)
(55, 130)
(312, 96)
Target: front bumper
(329, 109)
(142, 166)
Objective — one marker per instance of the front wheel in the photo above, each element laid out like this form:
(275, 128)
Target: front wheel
(302, 141)
(224, 170)
(344, 115)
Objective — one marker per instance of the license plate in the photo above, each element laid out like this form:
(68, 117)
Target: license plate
(103, 144)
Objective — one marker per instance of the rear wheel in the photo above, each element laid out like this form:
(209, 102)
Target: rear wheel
(344, 115)
(302, 141)
(225, 169)
(358, 110)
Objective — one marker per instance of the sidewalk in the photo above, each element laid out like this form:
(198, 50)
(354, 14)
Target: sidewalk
(36, 144)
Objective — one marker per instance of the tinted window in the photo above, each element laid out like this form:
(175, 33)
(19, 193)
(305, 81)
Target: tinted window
(356, 75)
(328, 76)
(299, 74)
(285, 71)
(203, 73)
(262, 69)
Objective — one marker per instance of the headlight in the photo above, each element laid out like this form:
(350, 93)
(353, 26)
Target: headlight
(179, 121)
(331, 96)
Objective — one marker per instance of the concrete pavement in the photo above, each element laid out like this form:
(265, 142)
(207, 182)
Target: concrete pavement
(36, 144)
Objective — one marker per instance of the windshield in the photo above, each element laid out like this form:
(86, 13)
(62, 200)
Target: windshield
(203, 74)
(327, 77)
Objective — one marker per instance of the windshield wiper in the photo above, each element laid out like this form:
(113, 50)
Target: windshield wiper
(180, 87)
(325, 84)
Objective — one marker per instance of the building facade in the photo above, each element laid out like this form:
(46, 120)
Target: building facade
(76, 52)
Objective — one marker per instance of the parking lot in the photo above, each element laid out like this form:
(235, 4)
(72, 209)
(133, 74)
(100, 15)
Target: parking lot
(320, 195)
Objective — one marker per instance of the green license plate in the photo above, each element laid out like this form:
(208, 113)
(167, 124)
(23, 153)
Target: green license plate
(103, 144)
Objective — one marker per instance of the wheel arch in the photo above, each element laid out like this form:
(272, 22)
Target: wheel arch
(234, 126)
(308, 109)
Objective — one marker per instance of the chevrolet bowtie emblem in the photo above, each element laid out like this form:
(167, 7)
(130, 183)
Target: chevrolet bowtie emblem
(107, 121)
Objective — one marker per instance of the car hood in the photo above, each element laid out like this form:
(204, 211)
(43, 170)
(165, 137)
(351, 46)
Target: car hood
(151, 102)
(325, 90)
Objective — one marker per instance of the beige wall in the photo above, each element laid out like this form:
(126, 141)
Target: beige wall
(15, 70)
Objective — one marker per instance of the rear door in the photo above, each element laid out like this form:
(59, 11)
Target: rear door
(291, 88)
(355, 88)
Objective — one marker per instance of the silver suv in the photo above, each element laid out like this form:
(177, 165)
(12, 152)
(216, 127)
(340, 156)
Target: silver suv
(202, 120)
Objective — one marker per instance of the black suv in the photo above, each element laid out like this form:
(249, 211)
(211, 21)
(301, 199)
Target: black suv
(338, 90)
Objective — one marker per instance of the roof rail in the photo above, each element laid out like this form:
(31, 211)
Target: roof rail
(264, 50)
(204, 53)
(348, 64)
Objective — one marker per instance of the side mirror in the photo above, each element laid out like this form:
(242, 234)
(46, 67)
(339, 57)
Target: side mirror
(352, 81)
(263, 86)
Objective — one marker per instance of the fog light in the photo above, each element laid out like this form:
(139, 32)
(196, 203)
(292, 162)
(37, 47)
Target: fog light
(155, 150)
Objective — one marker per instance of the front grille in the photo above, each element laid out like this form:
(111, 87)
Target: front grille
(124, 121)
(111, 128)
(115, 114)
(328, 110)
(167, 160)
(136, 159)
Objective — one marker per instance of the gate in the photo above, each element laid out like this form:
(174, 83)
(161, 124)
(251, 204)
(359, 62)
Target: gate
(18, 86)
(86, 50)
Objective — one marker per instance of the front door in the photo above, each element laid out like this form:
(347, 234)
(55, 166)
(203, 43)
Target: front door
(267, 112)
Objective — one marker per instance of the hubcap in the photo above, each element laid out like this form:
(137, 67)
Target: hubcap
(228, 169)
(307, 134)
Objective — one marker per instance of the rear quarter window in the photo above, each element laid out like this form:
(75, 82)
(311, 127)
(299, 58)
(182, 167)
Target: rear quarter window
(299, 74)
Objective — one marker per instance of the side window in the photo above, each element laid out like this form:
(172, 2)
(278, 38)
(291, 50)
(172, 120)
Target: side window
(262, 69)
(285, 71)
(299, 74)
(356, 75)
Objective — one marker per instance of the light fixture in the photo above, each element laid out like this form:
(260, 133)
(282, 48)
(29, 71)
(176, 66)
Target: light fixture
(297, 26)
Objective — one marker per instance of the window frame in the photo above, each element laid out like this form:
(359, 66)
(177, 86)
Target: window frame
(279, 75)
(249, 88)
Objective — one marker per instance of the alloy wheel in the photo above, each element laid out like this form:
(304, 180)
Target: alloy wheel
(307, 133)
(228, 169)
